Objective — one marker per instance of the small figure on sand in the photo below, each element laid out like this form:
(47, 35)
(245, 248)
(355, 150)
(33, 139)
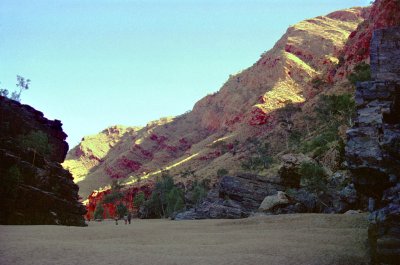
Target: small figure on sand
(116, 219)
(126, 218)
(129, 217)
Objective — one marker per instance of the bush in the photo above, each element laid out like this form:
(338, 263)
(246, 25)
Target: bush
(313, 177)
(318, 83)
(99, 211)
(199, 192)
(336, 108)
(121, 209)
(112, 197)
(320, 142)
(361, 72)
(36, 140)
(139, 199)
(261, 159)
(222, 172)
(164, 198)
(175, 201)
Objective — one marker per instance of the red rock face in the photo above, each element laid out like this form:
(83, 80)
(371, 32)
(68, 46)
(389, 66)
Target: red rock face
(382, 14)
(110, 209)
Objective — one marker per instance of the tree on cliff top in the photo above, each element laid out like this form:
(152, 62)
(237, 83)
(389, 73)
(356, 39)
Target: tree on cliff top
(22, 84)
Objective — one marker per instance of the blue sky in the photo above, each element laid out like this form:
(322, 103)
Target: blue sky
(103, 62)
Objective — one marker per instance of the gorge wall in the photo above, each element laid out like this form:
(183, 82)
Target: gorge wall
(373, 148)
(214, 134)
(35, 189)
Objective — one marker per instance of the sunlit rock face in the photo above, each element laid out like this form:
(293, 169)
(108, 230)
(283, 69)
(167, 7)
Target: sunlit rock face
(35, 189)
(373, 147)
(213, 134)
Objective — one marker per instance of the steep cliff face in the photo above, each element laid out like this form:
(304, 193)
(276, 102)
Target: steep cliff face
(382, 14)
(35, 188)
(373, 148)
(213, 134)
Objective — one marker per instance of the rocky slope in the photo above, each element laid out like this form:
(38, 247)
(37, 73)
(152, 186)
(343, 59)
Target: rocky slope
(35, 188)
(213, 135)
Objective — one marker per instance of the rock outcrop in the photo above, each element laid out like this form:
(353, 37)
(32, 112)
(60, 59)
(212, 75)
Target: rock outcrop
(234, 197)
(290, 167)
(382, 14)
(35, 188)
(373, 145)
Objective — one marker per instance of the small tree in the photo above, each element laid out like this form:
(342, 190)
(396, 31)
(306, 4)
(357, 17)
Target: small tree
(22, 84)
(361, 72)
(175, 201)
(313, 177)
(261, 159)
(99, 211)
(36, 140)
(222, 172)
(199, 192)
(121, 209)
(139, 199)
(336, 109)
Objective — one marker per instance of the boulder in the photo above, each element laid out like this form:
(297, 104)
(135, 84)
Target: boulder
(272, 201)
(289, 170)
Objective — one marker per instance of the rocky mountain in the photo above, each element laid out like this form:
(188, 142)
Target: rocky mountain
(215, 134)
(35, 189)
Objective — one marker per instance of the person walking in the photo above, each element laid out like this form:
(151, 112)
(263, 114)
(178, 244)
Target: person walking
(129, 217)
(126, 218)
(116, 219)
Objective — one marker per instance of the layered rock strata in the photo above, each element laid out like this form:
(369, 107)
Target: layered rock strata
(234, 197)
(35, 188)
(373, 148)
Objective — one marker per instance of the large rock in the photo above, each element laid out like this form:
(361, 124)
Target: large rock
(373, 146)
(234, 197)
(289, 170)
(272, 201)
(35, 188)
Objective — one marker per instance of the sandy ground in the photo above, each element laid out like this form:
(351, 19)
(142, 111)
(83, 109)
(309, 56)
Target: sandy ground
(285, 239)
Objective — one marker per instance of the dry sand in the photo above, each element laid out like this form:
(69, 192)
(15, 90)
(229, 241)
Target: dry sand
(284, 239)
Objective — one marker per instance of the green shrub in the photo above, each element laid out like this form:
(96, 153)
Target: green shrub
(318, 83)
(361, 72)
(162, 201)
(199, 192)
(36, 140)
(121, 209)
(260, 159)
(99, 211)
(313, 177)
(139, 199)
(320, 142)
(175, 201)
(112, 197)
(295, 138)
(336, 108)
(222, 172)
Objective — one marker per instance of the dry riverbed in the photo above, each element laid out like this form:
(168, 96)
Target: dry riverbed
(285, 239)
